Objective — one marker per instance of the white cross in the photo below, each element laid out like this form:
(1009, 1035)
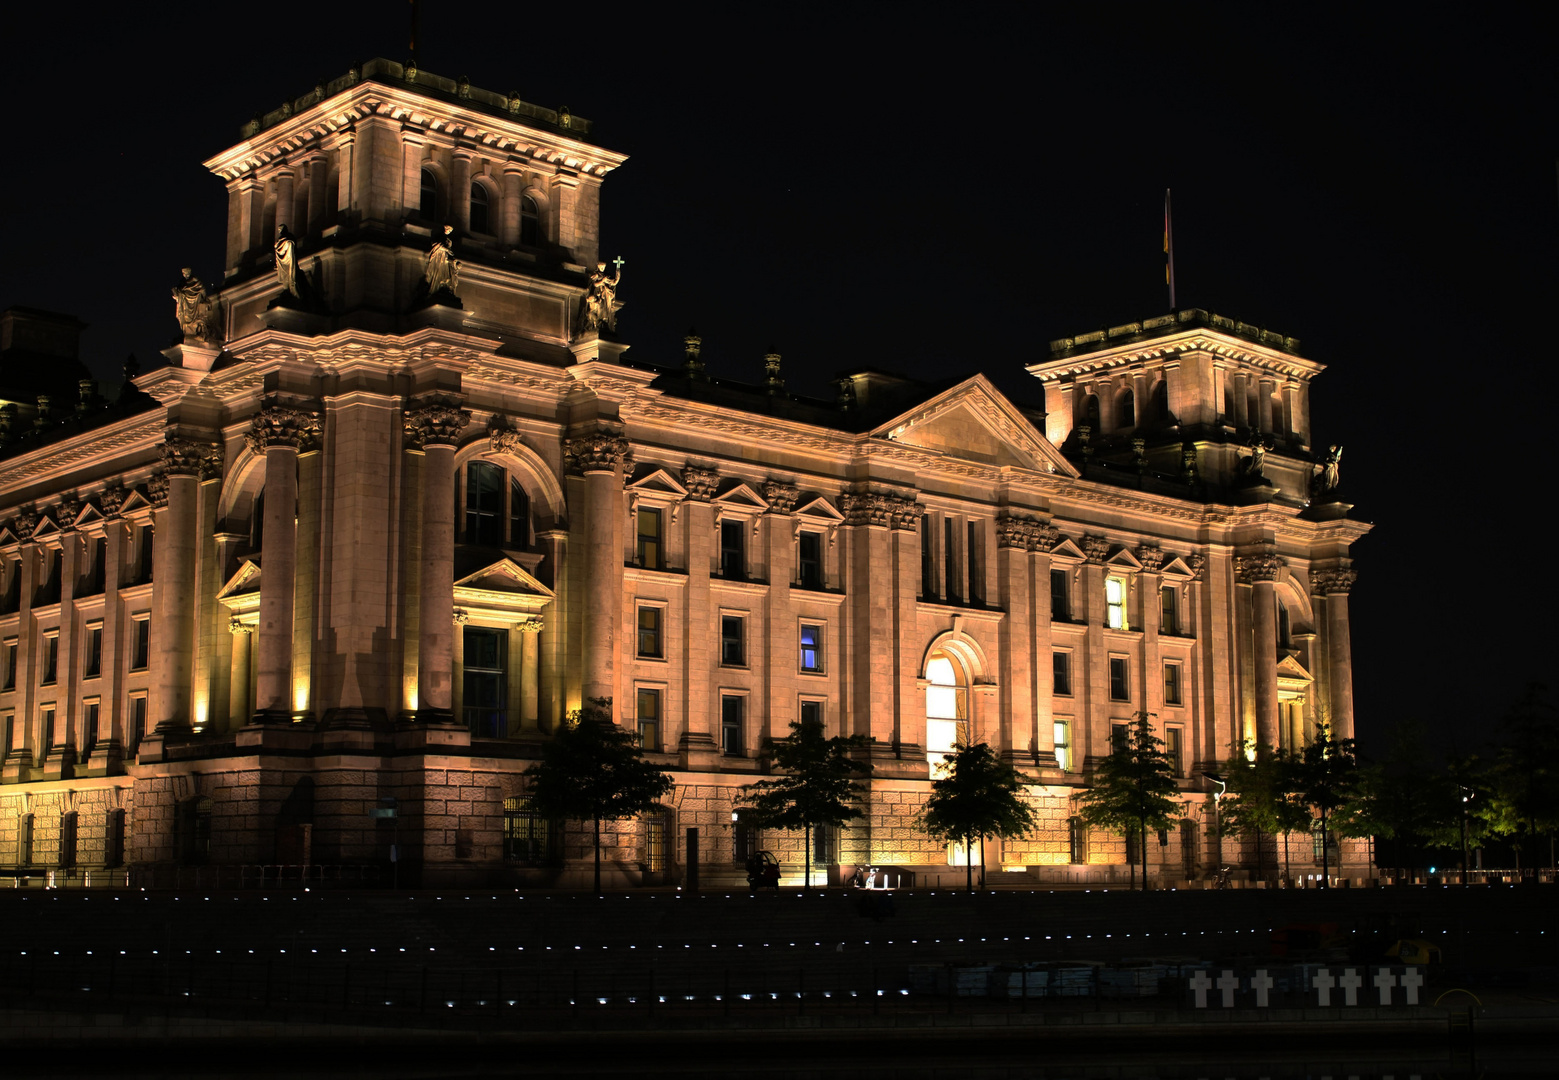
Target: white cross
(1412, 979)
(1200, 984)
(1324, 982)
(1384, 981)
(1350, 983)
(619, 262)
(1261, 982)
(1228, 982)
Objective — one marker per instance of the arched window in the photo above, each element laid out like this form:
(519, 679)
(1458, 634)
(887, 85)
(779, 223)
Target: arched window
(1283, 630)
(494, 508)
(947, 706)
(530, 222)
(481, 220)
(428, 207)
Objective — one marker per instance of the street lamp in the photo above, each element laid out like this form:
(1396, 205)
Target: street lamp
(1467, 794)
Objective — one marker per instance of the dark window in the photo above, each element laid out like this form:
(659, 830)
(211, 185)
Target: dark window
(810, 550)
(143, 572)
(649, 631)
(950, 561)
(733, 652)
(24, 840)
(824, 845)
(811, 647)
(1091, 412)
(480, 218)
(1120, 738)
(1174, 749)
(731, 710)
(1171, 684)
(257, 523)
(1060, 602)
(927, 560)
(484, 504)
(976, 571)
(486, 681)
(428, 206)
(49, 593)
(1283, 638)
(649, 719)
(648, 548)
(1120, 679)
(527, 836)
(9, 674)
(744, 840)
(89, 724)
(92, 658)
(93, 583)
(530, 222)
(140, 644)
(811, 712)
(51, 659)
(192, 831)
(135, 726)
(1128, 410)
(655, 831)
(114, 839)
(519, 515)
(1061, 666)
(1170, 623)
(12, 600)
(1077, 840)
(733, 550)
(45, 732)
(1134, 844)
(68, 840)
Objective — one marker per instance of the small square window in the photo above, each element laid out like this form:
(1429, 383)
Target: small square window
(811, 648)
(649, 631)
(1172, 684)
(811, 712)
(649, 719)
(1061, 664)
(733, 652)
(1120, 679)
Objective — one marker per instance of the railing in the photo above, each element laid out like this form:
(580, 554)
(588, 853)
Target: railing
(1452, 875)
(67, 878)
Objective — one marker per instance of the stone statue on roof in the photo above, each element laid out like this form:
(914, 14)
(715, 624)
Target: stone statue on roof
(1258, 446)
(287, 260)
(600, 310)
(1331, 470)
(195, 308)
(442, 272)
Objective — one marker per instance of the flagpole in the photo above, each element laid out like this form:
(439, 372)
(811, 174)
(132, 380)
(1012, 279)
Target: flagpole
(1169, 252)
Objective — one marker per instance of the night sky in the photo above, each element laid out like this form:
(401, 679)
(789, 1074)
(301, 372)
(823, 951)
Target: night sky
(932, 192)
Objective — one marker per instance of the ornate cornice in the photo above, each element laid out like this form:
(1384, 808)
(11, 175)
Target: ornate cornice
(781, 496)
(599, 451)
(1333, 582)
(279, 426)
(437, 424)
(880, 510)
(700, 482)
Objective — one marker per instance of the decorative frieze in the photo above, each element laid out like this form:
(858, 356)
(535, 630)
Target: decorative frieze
(700, 482)
(1332, 582)
(599, 451)
(437, 424)
(279, 426)
(781, 496)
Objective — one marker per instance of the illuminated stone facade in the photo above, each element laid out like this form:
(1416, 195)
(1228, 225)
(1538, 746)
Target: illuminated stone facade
(368, 549)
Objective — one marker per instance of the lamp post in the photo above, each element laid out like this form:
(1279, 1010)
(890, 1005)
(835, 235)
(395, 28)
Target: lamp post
(1466, 798)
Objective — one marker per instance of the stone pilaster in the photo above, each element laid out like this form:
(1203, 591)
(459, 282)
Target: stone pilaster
(699, 745)
(1260, 572)
(1335, 584)
(435, 428)
(1017, 733)
(599, 457)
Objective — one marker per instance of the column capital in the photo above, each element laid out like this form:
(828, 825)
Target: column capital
(435, 424)
(1196, 563)
(1151, 556)
(881, 510)
(781, 496)
(597, 451)
(1095, 549)
(191, 457)
(700, 482)
(277, 425)
(1260, 567)
(530, 624)
(1337, 581)
(235, 625)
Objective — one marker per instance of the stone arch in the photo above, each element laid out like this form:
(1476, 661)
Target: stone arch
(1125, 408)
(547, 501)
(241, 489)
(545, 221)
(1296, 601)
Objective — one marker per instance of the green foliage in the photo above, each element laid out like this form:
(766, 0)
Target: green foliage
(1133, 789)
(978, 795)
(1327, 778)
(593, 770)
(818, 785)
(1522, 800)
(1260, 785)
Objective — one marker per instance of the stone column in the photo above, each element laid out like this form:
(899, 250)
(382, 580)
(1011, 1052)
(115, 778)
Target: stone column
(1149, 612)
(436, 428)
(1041, 538)
(173, 578)
(1264, 391)
(699, 743)
(278, 433)
(1335, 584)
(1093, 670)
(513, 188)
(528, 705)
(284, 199)
(1018, 737)
(1260, 572)
(909, 698)
(238, 679)
(1242, 416)
(599, 457)
(780, 628)
(319, 174)
(550, 688)
(460, 191)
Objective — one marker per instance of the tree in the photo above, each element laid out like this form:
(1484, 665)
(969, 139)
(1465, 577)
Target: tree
(1260, 797)
(1523, 800)
(1327, 780)
(593, 770)
(1133, 788)
(978, 795)
(819, 785)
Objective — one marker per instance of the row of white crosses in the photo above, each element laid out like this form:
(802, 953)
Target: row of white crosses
(1349, 982)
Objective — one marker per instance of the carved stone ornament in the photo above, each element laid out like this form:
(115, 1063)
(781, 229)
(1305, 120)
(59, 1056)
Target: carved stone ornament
(531, 624)
(235, 625)
(439, 425)
(906, 513)
(1196, 564)
(1096, 549)
(461, 616)
(196, 309)
(1249, 569)
(68, 511)
(1334, 582)
(700, 482)
(505, 441)
(1151, 556)
(781, 496)
(1043, 536)
(157, 490)
(191, 457)
(277, 426)
(1013, 531)
(24, 523)
(599, 451)
(866, 510)
(110, 500)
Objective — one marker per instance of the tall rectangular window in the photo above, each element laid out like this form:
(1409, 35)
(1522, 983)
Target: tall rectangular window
(811, 648)
(519, 515)
(89, 724)
(24, 840)
(92, 584)
(733, 651)
(1062, 672)
(1171, 684)
(950, 561)
(68, 840)
(140, 644)
(92, 653)
(1170, 610)
(647, 547)
(143, 569)
(1060, 601)
(135, 724)
(1115, 602)
(484, 504)
(927, 560)
(648, 711)
(8, 666)
(1063, 733)
(1174, 749)
(1120, 679)
(655, 842)
(114, 838)
(733, 550)
(1120, 738)
(809, 550)
(45, 732)
(976, 567)
(485, 681)
(732, 709)
(50, 661)
(649, 631)
(1076, 840)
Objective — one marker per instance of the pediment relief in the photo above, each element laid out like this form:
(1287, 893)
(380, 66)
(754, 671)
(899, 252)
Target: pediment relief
(89, 514)
(1177, 568)
(818, 508)
(741, 496)
(135, 501)
(504, 576)
(1124, 560)
(657, 481)
(1066, 549)
(1290, 668)
(245, 580)
(975, 421)
(46, 527)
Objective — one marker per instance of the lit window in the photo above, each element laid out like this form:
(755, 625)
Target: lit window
(647, 546)
(1063, 731)
(1171, 684)
(649, 719)
(947, 707)
(649, 631)
(527, 836)
(732, 646)
(1120, 679)
(811, 647)
(1077, 840)
(485, 681)
(1115, 602)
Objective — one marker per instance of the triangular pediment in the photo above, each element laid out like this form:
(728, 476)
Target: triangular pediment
(975, 421)
(1290, 668)
(46, 526)
(1176, 567)
(1124, 560)
(1066, 549)
(245, 580)
(658, 481)
(820, 509)
(506, 576)
(741, 496)
(88, 515)
(7, 536)
(135, 501)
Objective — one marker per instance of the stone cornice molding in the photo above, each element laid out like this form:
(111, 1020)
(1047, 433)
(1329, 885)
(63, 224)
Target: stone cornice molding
(602, 450)
(1090, 356)
(277, 425)
(1332, 582)
(435, 424)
